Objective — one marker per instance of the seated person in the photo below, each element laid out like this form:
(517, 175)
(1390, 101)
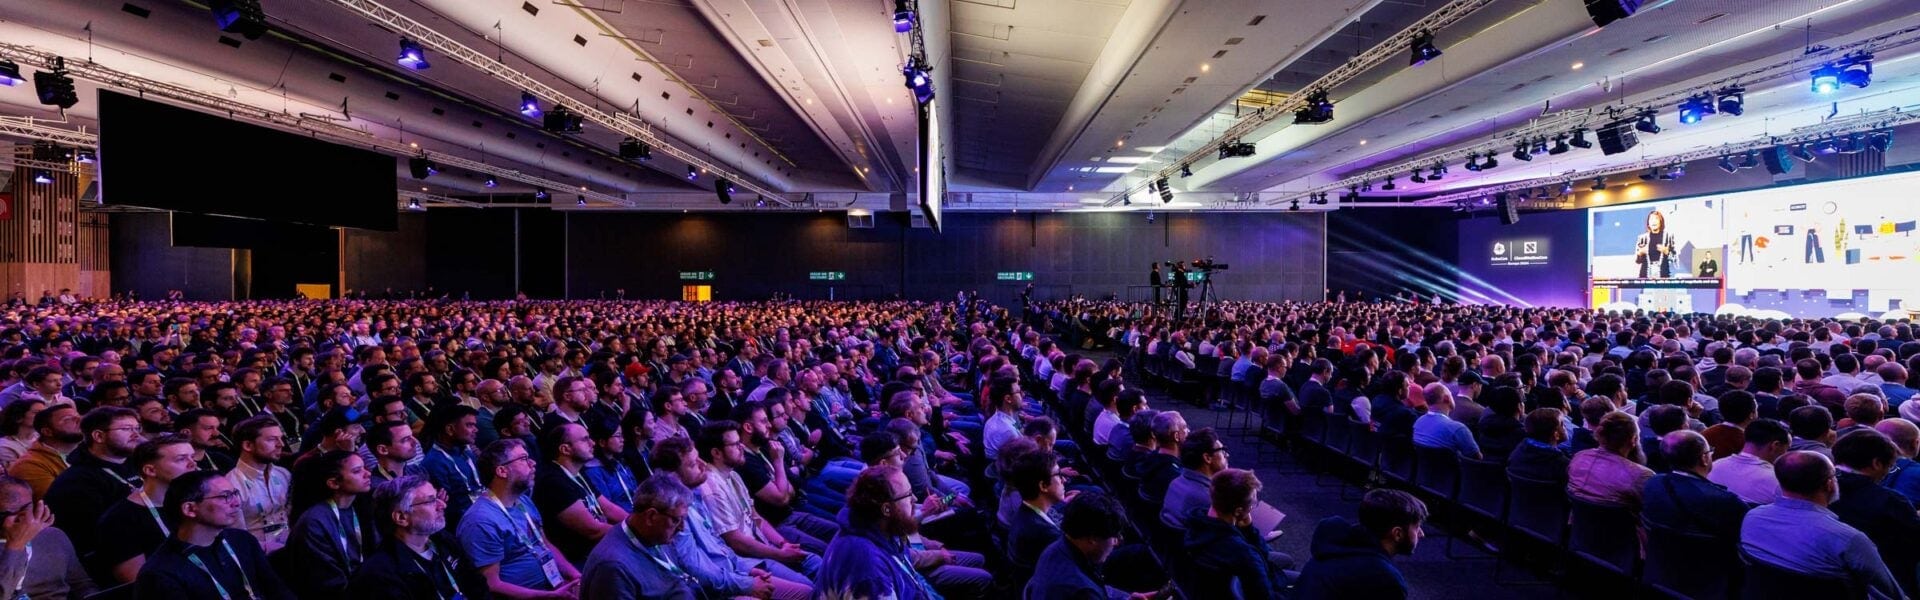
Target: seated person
(1225, 549)
(1201, 457)
(1355, 560)
(205, 510)
(1540, 456)
(1156, 471)
(1797, 533)
(1090, 526)
(1036, 476)
(1683, 499)
(1749, 473)
(1611, 473)
(1864, 457)
(1436, 429)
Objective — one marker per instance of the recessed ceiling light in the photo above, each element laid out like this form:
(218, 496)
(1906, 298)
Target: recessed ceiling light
(1119, 143)
(1578, 65)
(1204, 67)
(1363, 142)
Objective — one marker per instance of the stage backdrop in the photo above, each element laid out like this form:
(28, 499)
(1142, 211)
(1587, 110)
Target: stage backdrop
(1540, 261)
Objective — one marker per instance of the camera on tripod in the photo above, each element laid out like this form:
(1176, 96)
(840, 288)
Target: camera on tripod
(1208, 264)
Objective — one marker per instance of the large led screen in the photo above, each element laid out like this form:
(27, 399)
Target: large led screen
(1815, 250)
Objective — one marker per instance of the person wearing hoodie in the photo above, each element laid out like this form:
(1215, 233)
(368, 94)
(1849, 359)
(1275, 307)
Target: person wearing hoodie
(1070, 569)
(870, 558)
(1355, 560)
(1223, 544)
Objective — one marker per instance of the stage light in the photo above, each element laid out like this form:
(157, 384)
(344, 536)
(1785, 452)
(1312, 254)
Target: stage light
(1826, 79)
(1186, 171)
(41, 177)
(1599, 184)
(412, 55)
(1126, 199)
(86, 157)
(1674, 171)
(529, 105)
(633, 149)
(1751, 160)
(10, 73)
(1366, 185)
(1353, 194)
(919, 79)
(1296, 204)
(1857, 69)
(1416, 177)
(1694, 108)
(1566, 188)
(55, 87)
(1732, 100)
(491, 182)
(902, 16)
(1647, 121)
(1559, 145)
(562, 120)
(1318, 110)
(1726, 164)
(1580, 139)
(1540, 145)
(1388, 186)
(1827, 145)
(1237, 149)
(1853, 144)
(414, 204)
(1439, 171)
(1801, 152)
(1651, 174)
(243, 17)
(1422, 48)
(1473, 162)
(1520, 152)
(1166, 191)
(1880, 141)
(580, 200)
(421, 167)
(1491, 163)
(692, 173)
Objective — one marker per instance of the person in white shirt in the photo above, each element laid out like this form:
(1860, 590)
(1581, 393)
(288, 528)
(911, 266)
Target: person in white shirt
(262, 485)
(1749, 473)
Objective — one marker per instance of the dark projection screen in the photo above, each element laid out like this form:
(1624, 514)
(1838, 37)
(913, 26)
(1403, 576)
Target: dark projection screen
(158, 156)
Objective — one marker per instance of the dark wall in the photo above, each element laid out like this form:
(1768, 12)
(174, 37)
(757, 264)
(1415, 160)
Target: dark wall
(751, 255)
(377, 260)
(144, 261)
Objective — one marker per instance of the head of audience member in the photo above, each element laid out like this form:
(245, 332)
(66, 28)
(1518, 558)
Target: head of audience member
(720, 445)
(1545, 426)
(163, 459)
(1036, 477)
(58, 426)
(337, 475)
(112, 432)
(409, 507)
(677, 455)
(1813, 423)
(1140, 428)
(1865, 409)
(1738, 407)
(261, 439)
(1807, 476)
(1663, 419)
(1618, 433)
(905, 434)
(1766, 439)
(1394, 518)
(1687, 451)
(1903, 433)
(659, 510)
(507, 467)
(1439, 399)
(392, 442)
(1092, 524)
(199, 503)
(881, 449)
(1169, 430)
(1204, 452)
(1234, 494)
(881, 500)
(453, 426)
(1866, 452)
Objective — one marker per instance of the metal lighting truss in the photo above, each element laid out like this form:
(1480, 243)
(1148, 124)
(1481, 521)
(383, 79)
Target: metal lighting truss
(426, 198)
(1565, 121)
(318, 127)
(621, 123)
(1861, 123)
(1393, 48)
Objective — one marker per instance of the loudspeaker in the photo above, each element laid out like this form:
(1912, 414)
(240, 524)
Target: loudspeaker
(723, 189)
(1509, 210)
(1166, 191)
(1617, 138)
(1608, 11)
(1777, 160)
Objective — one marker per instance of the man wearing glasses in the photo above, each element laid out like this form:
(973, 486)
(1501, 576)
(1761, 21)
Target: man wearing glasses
(502, 532)
(416, 561)
(98, 475)
(634, 561)
(206, 558)
(36, 559)
(871, 558)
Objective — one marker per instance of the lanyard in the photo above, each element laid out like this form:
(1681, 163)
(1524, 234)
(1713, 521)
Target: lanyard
(446, 572)
(925, 588)
(152, 510)
(471, 475)
(626, 492)
(665, 561)
(132, 482)
(27, 567)
(593, 499)
(242, 569)
(208, 465)
(1043, 514)
(533, 529)
(348, 525)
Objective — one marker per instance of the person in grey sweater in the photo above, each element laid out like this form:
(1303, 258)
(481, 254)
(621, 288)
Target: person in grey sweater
(36, 559)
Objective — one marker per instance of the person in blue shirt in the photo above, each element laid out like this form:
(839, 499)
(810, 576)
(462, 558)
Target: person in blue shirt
(1355, 559)
(1437, 430)
(450, 462)
(502, 534)
(1201, 457)
(1798, 533)
(634, 560)
(1893, 382)
(1683, 499)
(870, 558)
(1905, 477)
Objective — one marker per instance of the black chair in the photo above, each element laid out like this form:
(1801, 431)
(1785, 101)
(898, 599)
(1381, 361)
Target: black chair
(1605, 536)
(1682, 564)
(1437, 472)
(1769, 582)
(1397, 462)
(1481, 493)
(1536, 511)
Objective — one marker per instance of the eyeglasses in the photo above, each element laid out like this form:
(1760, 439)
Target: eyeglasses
(440, 497)
(906, 496)
(222, 496)
(522, 457)
(1218, 449)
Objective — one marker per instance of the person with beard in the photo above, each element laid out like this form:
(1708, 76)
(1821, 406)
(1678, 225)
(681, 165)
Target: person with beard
(726, 394)
(59, 435)
(450, 463)
(502, 533)
(734, 516)
(263, 485)
(201, 426)
(1355, 560)
(330, 538)
(765, 475)
(131, 527)
(565, 497)
(635, 562)
(393, 445)
(1090, 527)
(206, 557)
(870, 558)
(98, 474)
(415, 560)
(702, 553)
(276, 398)
(154, 418)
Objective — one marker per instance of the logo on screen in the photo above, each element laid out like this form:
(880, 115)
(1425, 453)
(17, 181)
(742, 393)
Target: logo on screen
(1530, 247)
(1499, 249)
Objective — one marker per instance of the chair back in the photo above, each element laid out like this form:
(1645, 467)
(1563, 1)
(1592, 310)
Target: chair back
(1771, 582)
(1364, 444)
(1692, 565)
(1606, 535)
(1397, 462)
(1339, 433)
(1313, 426)
(1537, 509)
(1438, 471)
(1483, 488)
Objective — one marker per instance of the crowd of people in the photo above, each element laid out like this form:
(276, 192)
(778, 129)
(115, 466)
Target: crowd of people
(646, 449)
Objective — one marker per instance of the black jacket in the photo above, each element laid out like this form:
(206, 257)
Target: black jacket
(1886, 517)
(1155, 471)
(1686, 502)
(1348, 563)
(395, 572)
(1225, 553)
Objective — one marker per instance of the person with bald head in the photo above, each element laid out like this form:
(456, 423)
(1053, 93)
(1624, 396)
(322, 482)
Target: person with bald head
(1905, 477)
(1683, 499)
(1797, 533)
(1437, 430)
